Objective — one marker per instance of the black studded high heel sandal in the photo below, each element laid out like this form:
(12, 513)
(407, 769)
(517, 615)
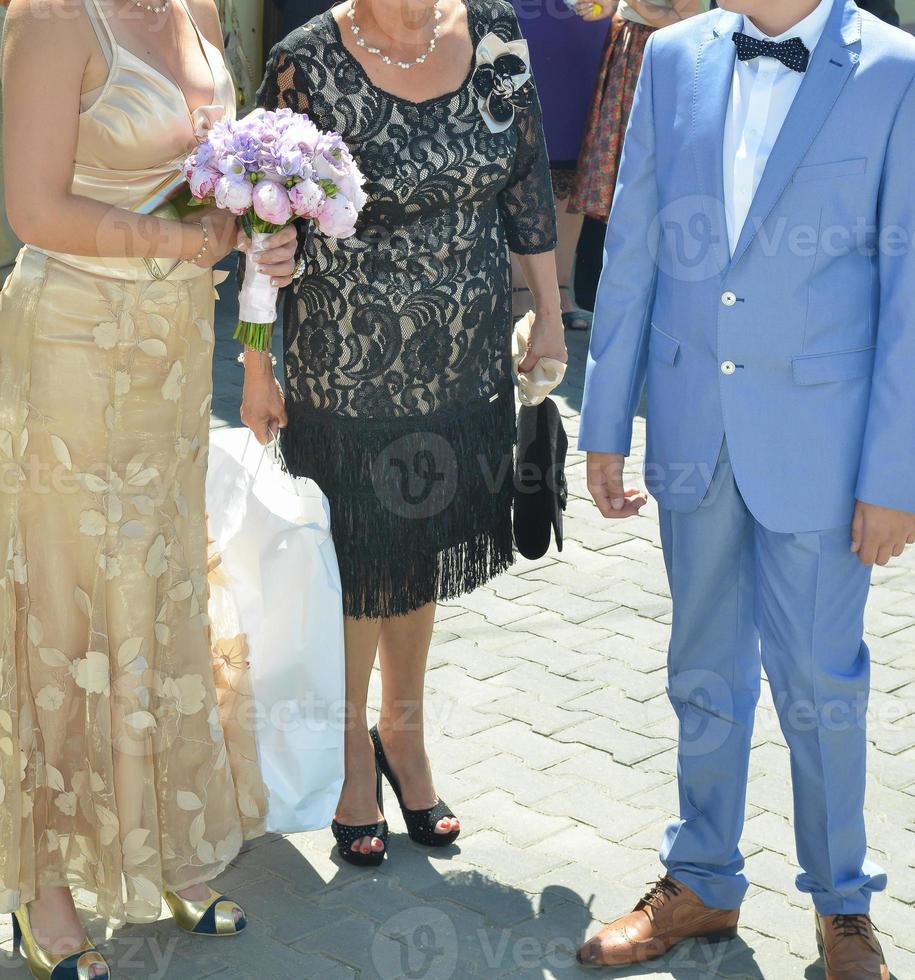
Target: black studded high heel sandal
(346, 836)
(421, 824)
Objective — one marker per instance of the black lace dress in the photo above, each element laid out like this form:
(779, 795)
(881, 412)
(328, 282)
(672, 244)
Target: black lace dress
(397, 341)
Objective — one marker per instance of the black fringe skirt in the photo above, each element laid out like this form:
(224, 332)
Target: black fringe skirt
(420, 506)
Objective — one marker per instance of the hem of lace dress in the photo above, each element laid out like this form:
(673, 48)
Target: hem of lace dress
(420, 506)
(382, 589)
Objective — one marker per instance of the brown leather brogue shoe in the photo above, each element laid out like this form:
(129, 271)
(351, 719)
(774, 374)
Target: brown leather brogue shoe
(668, 914)
(850, 948)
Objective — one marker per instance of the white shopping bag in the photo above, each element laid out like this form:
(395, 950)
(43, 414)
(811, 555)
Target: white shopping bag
(280, 591)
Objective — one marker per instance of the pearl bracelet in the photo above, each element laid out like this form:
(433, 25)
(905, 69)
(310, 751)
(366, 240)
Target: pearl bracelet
(196, 260)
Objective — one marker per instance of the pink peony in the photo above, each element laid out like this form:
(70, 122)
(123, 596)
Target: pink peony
(306, 199)
(337, 217)
(351, 188)
(271, 202)
(328, 167)
(203, 181)
(234, 195)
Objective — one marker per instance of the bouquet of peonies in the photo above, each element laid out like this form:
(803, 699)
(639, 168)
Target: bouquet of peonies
(271, 168)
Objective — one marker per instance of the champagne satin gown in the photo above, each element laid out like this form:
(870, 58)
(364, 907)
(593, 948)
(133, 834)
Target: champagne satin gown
(114, 771)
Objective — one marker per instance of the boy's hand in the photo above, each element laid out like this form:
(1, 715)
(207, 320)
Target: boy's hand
(605, 484)
(879, 533)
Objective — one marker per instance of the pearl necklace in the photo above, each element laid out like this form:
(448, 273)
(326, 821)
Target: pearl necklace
(153, 10)
(387, 59)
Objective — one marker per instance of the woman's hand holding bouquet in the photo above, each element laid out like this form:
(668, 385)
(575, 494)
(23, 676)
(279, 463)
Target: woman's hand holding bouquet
(269, 169)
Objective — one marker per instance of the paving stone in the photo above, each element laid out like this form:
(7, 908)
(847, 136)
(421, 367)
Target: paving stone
(348, 941)
(577, 582)
(612, 819)
(451, 680)
(513, 587)
(626, 747)
(548, 685)
(476, 661)
(542, 716)
(638, 685)
(559, 658)
(771, 831)
(314, 966)
(480, 892)
(633, 596)
(617, 649)
(517, 739)
(594, 767)
(552, 627)
(498, 611)
(612, 703)
(770, 914)
(507, 864)
(527, 786)
(572, 608)
(519, 824)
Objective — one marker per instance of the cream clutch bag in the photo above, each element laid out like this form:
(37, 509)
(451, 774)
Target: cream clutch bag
(534, 386)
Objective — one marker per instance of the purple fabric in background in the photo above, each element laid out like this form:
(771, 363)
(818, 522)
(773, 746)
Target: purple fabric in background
(565, 56)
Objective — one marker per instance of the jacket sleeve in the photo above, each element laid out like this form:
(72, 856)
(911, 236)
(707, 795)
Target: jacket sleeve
(625, 297)
(887, 473)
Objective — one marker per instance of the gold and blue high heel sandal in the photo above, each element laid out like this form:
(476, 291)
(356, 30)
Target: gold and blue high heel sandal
(43, 965)
(213, 916)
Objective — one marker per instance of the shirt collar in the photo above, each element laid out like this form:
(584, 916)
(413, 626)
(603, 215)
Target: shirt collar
(809, 30)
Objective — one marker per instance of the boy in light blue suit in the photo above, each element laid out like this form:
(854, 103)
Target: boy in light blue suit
(760, 275)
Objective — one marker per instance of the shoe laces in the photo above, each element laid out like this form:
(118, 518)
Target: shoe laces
(660, 891)
(851, 926)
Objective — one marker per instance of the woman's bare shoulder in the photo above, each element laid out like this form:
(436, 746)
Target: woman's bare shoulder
(61, 26)
(48, 14)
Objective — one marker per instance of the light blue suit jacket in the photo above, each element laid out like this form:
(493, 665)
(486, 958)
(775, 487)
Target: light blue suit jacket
(799, 348)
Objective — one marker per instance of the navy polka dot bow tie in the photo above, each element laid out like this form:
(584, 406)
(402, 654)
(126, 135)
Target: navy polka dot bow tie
(792, 53)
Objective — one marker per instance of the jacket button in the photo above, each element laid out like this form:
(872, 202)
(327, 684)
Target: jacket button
(728, 298)
(728, 367)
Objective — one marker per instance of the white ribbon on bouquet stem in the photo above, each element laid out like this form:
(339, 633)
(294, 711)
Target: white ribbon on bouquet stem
(258, 298)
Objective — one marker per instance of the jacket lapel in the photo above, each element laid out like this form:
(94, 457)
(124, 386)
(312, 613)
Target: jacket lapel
(830, 68)
(711, 99)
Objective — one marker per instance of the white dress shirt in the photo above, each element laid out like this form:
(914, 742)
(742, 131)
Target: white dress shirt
(762, 94)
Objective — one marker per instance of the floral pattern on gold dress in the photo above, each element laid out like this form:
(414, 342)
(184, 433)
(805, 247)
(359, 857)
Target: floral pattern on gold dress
(115, 773)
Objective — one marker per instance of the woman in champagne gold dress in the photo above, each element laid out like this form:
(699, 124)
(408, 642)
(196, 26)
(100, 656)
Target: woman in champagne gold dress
(114, 772)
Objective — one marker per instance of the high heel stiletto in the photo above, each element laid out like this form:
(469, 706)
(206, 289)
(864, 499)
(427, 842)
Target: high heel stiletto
(49, 966)
(346, 836)
(213, 916)
(421, 824)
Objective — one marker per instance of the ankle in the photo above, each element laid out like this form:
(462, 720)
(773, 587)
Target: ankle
(55, 922)
(402, 731)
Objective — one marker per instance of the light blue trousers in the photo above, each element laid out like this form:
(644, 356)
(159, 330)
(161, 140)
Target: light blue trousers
(745, 597)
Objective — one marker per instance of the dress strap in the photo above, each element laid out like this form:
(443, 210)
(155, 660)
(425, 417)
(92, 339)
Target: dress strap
(102, 28)
(186, 8)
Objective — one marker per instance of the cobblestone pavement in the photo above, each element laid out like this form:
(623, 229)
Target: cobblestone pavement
(552, 737)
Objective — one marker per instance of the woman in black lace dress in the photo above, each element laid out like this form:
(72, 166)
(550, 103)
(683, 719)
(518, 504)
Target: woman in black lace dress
(397, 345)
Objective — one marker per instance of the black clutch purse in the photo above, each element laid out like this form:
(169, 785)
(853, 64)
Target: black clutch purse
(540, 489)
